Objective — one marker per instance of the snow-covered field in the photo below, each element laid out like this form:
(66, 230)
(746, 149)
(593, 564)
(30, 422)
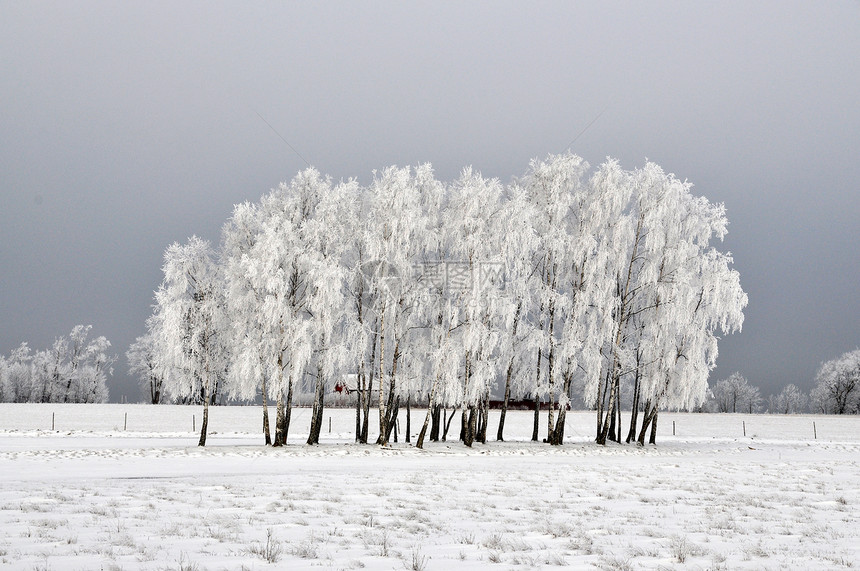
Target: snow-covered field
(91, 495)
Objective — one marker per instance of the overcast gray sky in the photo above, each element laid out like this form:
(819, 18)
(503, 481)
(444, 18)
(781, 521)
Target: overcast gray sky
(129, 125)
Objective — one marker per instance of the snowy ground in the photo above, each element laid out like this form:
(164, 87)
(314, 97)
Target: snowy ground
(91, 495)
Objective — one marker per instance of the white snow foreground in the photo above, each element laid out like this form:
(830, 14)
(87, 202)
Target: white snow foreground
(91, 495)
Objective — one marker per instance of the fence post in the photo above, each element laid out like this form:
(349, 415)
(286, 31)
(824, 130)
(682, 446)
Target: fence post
(52, 420)
(125, 422)
(814, 430)
(745, 428)
(193, 423)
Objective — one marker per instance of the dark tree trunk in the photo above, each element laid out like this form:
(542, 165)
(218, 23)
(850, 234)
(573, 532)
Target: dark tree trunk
(648, 415)
(358, 406)
(500, 432)
(615, 414)
(205, 425)
(365, 425)
(154, 389)
(610, 408)
(288, 409)
(556, 437)
(423, 432)
(385, 422)
(464, 418)
(280, 421)
(448, 425)
(408, 418)
(634, 413)
(215, 394)
(318, 409)
(469, 425)
(473, 421)
(391, 421)
(435, 421)
(432, 409)
(267, 435)
(612, 415)
(485, 418)
(367, 390)
(68, 390)
(653, 438)
(601, 403)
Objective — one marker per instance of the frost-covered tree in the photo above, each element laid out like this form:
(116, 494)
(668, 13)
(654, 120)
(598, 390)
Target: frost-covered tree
(283, 260)
(553, 187)
(589, 290)
(326, 304)
(474, 283)
(18, 374)
(673, 294)
(49, 371)
(837, 388)
(753, 401)
(89, 365)
(266, 261)
(695, 296)
(438, 312)
(519, 341)
(358, 320)
(735, 394)
(142, 362)
(253, 361)
(790, 400)
(189, 324)
(393, 236)
(430, 309)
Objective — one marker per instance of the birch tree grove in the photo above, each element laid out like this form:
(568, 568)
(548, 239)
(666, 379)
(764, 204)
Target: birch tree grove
(602, 284)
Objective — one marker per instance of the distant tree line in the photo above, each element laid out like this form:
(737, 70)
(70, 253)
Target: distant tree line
(836, 391)
(563, 284)
(735, 394)
(73, 370)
